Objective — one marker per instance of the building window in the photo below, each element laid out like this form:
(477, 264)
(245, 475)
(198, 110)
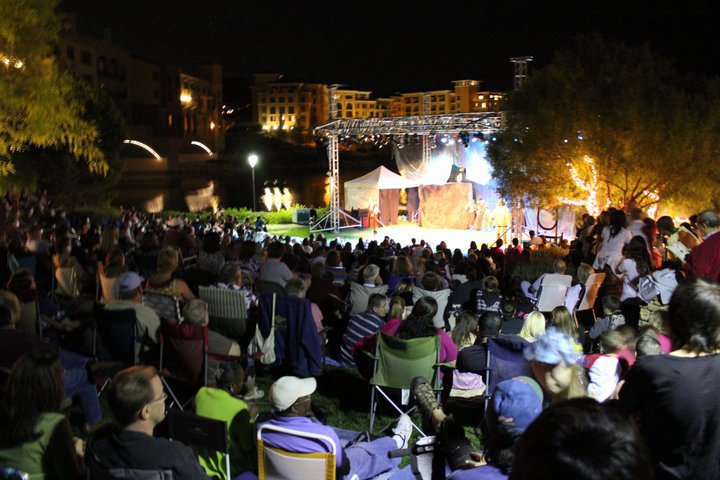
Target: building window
(272, 110)
(282, 110)
(272, 99)
(70, 53)
(281, 99)
(291, 109)
(85, 57)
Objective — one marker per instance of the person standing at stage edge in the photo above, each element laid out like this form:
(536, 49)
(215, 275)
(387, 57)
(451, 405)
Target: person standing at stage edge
(373, 215)
(500, 220)
(470, 213)
(480, 215)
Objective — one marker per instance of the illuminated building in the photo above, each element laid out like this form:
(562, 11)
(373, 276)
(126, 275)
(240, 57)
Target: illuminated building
(279, 104)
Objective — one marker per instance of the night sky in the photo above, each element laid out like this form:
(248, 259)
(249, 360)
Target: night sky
(392, 46)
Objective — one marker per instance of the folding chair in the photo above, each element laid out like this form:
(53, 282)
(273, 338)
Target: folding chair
(165, 305)
(104, 286)
(278, 464)
(27, 261)
(505, 360)
(197, 278)
(227, 309)
(396, 362)
(587, 302)
(552, 291)
(359, 295)
(117, 329)
(65, 283)
(29, 320)
(441, 297)
(184, 355)
(205, 434)
(264, 286)
(99, 471)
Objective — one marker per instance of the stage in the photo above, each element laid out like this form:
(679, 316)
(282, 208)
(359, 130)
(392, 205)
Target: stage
(404, 231)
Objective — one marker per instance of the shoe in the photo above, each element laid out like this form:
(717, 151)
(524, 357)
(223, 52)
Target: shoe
(255, 394)
(403, 431)
(424, 395)
(452, 440)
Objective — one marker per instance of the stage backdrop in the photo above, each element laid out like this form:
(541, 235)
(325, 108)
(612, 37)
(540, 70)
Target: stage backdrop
(443, 206)
(382, 186)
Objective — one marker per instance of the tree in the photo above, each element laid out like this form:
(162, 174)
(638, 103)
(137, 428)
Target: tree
(605, 124)
(68, 181)
(38, 107)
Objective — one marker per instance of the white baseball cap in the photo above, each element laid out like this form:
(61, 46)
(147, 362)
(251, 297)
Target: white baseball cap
(286, 390)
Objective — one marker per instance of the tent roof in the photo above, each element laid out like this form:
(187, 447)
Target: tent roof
(382, 179)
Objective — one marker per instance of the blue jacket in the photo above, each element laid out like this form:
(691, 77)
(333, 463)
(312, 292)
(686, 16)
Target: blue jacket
(297, 342)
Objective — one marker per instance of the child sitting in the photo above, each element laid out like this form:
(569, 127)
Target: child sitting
(611, 319)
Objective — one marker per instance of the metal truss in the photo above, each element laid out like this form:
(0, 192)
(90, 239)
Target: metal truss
(424, 125)
(489, 122)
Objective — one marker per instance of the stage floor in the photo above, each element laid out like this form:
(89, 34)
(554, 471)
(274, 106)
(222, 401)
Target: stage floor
(403, 232)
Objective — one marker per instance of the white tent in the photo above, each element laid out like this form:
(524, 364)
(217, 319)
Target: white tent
(359, 191)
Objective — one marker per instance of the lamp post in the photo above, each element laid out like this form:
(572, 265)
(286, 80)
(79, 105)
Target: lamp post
(252, 160)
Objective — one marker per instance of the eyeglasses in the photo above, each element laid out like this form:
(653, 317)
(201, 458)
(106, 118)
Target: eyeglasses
(161, 398)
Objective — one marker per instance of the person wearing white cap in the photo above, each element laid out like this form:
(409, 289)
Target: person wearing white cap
(129, 293)
(290, 400)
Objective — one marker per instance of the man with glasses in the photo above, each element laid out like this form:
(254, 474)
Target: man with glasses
(137, 400)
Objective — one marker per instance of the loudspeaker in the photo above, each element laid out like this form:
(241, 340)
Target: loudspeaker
(301, 216)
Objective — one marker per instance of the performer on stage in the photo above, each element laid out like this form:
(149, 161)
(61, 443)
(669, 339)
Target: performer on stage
(518, 221)
(373, 215)
(500, 220)
(480, 215)
(470, 212)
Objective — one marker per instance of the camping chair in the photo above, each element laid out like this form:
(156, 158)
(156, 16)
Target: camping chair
(552, 291)
(65, 283)
(265, 286)
(505, 360)
(29, 320)
(441, 297)
(165, 305)
(587, 302)
(396, 362)
(117, 329)
(200, 432)
(227, 309)
(27, 261)
(98, 471)
(359, 295)
(278, 464)
(184, 355)
(104, 286)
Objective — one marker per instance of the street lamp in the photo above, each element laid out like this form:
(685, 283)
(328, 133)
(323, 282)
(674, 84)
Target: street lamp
(252, 160)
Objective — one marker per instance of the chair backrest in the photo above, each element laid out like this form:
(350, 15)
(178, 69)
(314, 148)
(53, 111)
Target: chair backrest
(399, 360)
(29, 320)
(28, 261)
(10, 473)
(592, 286)
(278, 464)
(118, 331)
(359, 295)
(66, 282)
(202, 432)
(165, 305)
(505, 360)
(98, 471)
(197, 278)
(552, 291)
(227, 309)
(184, 350)
(264, 286)
(440, 296)
(106, 285)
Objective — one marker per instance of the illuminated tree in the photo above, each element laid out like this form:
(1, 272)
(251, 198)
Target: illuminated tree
(606, 124)
(38, 105)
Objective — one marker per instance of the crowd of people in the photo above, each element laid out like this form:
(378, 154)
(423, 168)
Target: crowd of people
(646, 352)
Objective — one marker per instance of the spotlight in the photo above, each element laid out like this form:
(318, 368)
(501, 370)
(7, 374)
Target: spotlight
(444, 139)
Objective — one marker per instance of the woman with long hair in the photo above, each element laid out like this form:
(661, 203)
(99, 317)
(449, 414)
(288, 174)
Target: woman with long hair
(533, 327)
(167, 263)
(635, 264)
(465, 331)
(35, 436)
(614, 237)
(563, 320)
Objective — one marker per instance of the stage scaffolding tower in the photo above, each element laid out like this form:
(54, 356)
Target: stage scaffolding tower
(424, 125)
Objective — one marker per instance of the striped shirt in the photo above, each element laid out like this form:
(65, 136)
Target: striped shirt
(361, 325)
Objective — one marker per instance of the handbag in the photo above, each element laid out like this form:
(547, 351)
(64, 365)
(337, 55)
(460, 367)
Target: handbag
(264, 347)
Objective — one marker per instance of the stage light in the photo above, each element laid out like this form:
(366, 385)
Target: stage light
(444, 139)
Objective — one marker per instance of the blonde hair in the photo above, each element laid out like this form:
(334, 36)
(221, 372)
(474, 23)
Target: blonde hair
(533, 327)
(168, 260)
(583, 273)
(564, 321)
(397, 308)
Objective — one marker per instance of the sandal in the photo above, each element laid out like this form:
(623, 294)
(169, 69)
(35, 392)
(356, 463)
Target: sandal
(424, 395)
